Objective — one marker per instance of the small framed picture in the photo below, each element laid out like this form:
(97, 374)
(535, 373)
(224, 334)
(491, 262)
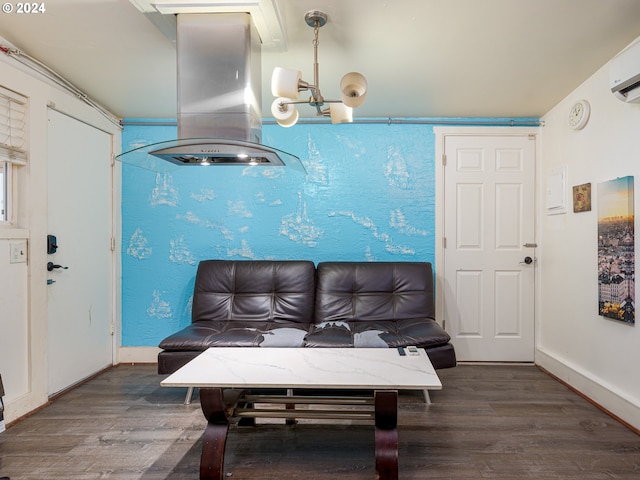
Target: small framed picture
(582, 198)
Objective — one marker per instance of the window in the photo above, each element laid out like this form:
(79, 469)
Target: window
(13, 145)
(3, 191)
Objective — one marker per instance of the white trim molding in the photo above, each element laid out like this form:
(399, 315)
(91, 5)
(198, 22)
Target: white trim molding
(138, 354)
(595, 389)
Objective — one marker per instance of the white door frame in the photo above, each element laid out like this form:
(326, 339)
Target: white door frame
(440, 134)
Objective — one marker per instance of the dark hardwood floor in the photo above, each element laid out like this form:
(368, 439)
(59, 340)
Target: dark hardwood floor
(488, 422)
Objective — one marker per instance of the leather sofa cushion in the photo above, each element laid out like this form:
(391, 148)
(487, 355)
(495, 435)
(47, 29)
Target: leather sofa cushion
(236, 333)
(421, 332)
(254, 291)
(373, 291)
(202, 335)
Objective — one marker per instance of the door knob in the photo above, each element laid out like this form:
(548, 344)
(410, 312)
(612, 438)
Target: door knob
(527, 260)
(51, 266)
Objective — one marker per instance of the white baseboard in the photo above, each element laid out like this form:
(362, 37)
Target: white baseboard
(138, 354)
(593, 388)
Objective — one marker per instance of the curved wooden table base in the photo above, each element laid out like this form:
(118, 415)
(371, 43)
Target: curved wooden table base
(215, 434)
(218, 413)
(386, 439)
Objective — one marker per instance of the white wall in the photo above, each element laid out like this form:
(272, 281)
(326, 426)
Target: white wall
(23, 297)
(14, 336)
(598, 356)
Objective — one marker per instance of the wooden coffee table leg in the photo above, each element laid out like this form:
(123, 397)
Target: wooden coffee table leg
(386, 436)
(290, 406)
(215, 435)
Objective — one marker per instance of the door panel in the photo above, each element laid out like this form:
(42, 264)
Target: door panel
(79, 308)
(469, 286)
(488, 217)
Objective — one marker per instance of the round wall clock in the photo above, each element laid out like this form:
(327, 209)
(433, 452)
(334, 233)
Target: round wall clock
(579, 114)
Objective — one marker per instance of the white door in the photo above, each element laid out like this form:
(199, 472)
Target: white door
(79, 215)
(489, 254)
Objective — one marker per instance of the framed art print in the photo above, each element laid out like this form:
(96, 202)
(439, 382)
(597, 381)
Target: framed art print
(616, 253)
(582, 198)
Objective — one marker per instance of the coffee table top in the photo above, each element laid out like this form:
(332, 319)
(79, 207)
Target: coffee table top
(262, 367)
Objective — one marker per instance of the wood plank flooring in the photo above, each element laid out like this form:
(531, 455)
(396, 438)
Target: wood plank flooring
(488, 422)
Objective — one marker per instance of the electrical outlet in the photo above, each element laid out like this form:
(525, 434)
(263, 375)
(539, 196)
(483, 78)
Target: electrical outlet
(18, 252)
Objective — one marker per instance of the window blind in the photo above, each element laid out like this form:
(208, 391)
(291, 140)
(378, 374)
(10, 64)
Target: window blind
(13, 125)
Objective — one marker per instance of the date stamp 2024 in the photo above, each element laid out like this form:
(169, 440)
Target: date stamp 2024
(24, 7)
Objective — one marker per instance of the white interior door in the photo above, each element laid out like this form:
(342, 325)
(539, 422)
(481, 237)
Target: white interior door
(489, 233)
(80, 308)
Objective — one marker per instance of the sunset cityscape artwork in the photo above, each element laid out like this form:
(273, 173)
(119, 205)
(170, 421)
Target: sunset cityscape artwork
(616, 258)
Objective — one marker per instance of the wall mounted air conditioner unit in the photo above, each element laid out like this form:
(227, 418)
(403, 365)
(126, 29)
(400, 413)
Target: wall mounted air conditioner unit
(624, 74)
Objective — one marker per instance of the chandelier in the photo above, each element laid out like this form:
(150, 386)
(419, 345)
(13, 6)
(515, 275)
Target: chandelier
(287, 83)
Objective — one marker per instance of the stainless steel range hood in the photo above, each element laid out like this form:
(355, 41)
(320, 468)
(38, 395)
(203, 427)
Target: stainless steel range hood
(219, 152)
(219, 98)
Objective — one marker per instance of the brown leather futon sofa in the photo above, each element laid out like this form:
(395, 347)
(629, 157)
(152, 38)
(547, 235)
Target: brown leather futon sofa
(296, 304)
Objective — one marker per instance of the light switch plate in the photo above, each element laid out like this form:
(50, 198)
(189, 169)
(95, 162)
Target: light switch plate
(18, 252)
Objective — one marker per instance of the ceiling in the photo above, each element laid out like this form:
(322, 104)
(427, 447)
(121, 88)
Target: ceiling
(422, 58)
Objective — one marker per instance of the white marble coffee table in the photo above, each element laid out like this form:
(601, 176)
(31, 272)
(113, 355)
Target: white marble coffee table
(222, 373)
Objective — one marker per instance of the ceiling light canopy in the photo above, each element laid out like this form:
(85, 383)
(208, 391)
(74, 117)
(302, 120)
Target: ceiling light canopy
(286, 84)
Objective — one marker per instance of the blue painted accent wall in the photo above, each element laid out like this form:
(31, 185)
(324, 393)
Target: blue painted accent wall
(369, 196)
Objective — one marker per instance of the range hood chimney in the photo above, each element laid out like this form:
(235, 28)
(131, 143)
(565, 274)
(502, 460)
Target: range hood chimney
(219, 96)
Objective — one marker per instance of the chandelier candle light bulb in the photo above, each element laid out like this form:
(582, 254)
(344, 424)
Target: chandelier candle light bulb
(285, 112)
(285, 82)
(353, 89)
(340, 113)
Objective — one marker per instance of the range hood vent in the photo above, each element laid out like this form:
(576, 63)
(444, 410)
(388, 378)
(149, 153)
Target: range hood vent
(219, 153)
(164, 157)
(219, 98)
